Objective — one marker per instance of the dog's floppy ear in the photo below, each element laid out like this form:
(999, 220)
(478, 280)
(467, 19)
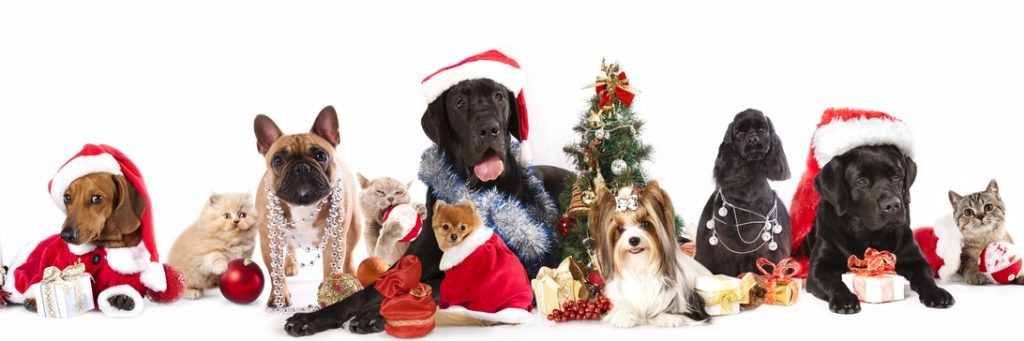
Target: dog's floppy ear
(667, 212)
(514, 116)
(129, 207)
(435, 120)
(266, 132)
(728, 159)
(776, 165)
(910, 168)
(831, 185)
(326, 125)
(603, 205)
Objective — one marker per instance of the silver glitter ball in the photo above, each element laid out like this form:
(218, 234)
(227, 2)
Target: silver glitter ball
(777, 229)
(723, 211)
(710, 224)
(619, 166)
(766, 236)
(713, 240)
(773, 246)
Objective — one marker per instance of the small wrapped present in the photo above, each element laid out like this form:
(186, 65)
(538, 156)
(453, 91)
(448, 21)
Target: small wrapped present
(778, 286)
(337, 288)
(874, 279)
(408, 307)
(554, 287)
(64, 293)
(722, 294)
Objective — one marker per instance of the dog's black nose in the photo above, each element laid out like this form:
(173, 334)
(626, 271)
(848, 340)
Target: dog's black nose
(302, 168)
(454, 237)
(488, 129)
(69, 234)
(634, 241)
(891, 205)
(754, 139)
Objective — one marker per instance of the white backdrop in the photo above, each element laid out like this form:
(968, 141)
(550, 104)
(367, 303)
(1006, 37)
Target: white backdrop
(175, 85)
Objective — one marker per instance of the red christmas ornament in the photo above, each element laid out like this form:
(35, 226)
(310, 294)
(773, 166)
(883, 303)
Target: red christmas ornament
(565, 225)
(243, 282)
(175, 286)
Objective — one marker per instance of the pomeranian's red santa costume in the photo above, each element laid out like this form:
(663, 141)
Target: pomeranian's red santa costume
(485, 280)
(131, 271)
(840, 131)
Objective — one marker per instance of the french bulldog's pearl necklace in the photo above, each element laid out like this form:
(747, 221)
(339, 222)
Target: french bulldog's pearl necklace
(281, 236)
(769, 225)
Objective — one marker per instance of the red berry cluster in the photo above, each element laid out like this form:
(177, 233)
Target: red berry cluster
(581, 310)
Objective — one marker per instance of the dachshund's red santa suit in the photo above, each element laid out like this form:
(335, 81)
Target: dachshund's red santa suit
(483, 279)
(131, 271)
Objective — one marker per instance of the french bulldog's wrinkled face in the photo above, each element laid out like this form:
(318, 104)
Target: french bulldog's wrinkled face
(301, 166)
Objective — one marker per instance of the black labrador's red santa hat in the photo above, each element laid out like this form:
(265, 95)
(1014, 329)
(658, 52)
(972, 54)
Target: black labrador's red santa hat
(840, 131)
(492, 65)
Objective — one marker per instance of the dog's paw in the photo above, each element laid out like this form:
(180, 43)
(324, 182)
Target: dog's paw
(621, 320)
(192, 294)
(286, 298)
(670, 320)
(976, 279)
(122, 302)
(845, 303)
(367, 322)
(305, 324)
(937, 298)
(30, 305)
(290, 268)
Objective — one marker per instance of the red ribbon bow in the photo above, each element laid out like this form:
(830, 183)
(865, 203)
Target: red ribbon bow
(785, 270)
(875, 263)
(620, 89)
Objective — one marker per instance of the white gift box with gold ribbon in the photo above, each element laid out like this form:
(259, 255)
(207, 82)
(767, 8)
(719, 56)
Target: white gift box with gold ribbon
(64, 293)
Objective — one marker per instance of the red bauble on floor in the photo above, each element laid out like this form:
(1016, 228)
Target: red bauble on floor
(243, 282)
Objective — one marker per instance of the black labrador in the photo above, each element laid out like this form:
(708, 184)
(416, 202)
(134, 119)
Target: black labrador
(750, 155)
(865, 197)
(471, 122)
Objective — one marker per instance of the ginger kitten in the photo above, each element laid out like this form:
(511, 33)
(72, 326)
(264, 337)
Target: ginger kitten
(222, 233)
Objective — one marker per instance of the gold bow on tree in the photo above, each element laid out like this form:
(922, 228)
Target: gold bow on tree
(613, 85)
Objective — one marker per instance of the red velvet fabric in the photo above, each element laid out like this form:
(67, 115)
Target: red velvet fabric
(54, 252)
(489, 280)
(408, 306)
(927, 240)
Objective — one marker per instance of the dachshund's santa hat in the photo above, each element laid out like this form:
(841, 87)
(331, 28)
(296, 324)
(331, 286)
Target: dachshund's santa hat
(106, 159)
(492, 65)
(840, 131)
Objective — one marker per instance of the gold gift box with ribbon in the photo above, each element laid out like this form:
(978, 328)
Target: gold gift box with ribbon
(64, 293)
(780, 286)
(722, 294)
(554, 287)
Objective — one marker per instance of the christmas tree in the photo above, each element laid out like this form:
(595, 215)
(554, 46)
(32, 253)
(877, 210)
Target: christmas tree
(609, 153)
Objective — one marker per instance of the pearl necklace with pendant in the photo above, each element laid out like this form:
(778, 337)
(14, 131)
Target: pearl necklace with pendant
(767, 223)
(281, 237)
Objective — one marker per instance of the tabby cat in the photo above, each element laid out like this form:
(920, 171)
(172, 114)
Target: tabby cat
(981, 218)
(376, 197)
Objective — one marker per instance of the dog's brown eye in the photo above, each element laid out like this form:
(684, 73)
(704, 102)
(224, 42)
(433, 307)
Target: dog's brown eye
(989, 207)
(277, 161)
(761, 130)
(461, 104)
(897, 177)
(96, 199)
(462, 228)
(227, 216)
(445, 227)
(862, 182)
(499, 97)
(320, 156)
(620, 229)
(67, 199)
(645, 224)
(968, 212)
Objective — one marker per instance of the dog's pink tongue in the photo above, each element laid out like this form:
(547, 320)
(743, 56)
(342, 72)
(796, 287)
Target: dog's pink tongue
(489, 169)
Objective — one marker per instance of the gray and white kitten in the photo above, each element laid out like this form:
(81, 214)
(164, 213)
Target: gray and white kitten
(981, 218)
(376, 197)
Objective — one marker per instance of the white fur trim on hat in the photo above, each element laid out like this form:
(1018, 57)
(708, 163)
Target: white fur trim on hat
(124, 289)
(840, 136)
(79, 167)
(506, 316)
(525, 153)
(458, 253)
(154, 277)
(949, 246)
(511, 77)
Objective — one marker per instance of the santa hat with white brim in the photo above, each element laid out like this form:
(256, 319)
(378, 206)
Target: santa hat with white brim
(840, 131)
(492, 65)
